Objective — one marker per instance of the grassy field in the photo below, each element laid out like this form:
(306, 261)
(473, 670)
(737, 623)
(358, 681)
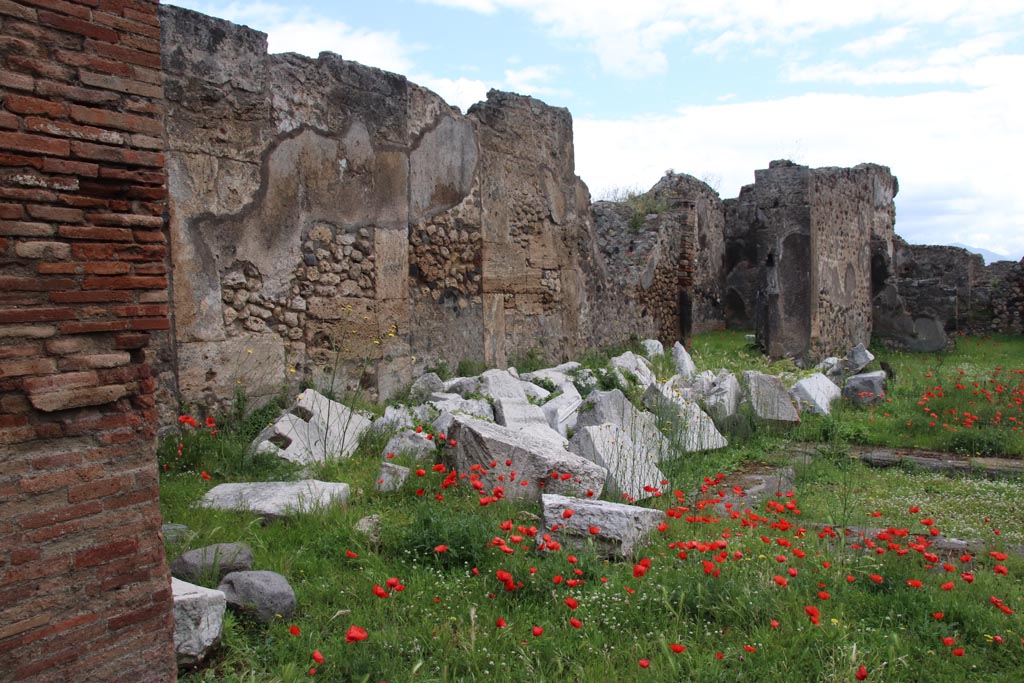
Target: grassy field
(778, 593)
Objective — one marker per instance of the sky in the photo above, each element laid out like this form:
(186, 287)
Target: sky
(934, 89)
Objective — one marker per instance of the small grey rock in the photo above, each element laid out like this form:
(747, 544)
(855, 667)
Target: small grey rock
(262, 594)
(218, 559)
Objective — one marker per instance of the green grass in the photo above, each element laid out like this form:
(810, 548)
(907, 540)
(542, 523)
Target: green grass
(443, 625)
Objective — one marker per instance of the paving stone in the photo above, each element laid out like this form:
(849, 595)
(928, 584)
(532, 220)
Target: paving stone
(274, 499)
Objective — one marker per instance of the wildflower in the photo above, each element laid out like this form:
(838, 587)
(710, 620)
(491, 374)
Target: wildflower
(571, 603)
(644, 663)
(317, 657)
(294, 630)
(677, 648)
(354, 634)
(575, 623)
(861, 673)
(501, 623)
(537, 631)
(204, 475)
(440, 548)
(351, 555)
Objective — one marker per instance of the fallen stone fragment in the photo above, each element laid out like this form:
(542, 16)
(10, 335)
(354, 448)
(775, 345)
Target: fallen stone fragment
(410, 443)
(391, 477)
(684, 364)
(502, 451)
(198, 621)
(212, 561)
(264, 595)
(866, 389)
(314, 429)
(631, 471)
(614, 529)
(424, 386)
(370, 526)
(453, 403)
(630, 362)
(613, 406)
(720, 394)
(501, 384)
(688, 427)
(652, 348)
(768, 398)
(857, 359)
(816, 393)
(561, 411)
(275, 499)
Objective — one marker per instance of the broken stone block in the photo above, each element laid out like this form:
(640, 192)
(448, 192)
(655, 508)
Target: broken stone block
(370, 526)
(518, 414)
(866, 389)
(314, 429)
(684, 364)
(613, 406)
(816, 393)
(534, 392)
(400, 417)
(453, 403)
(212, 561)
(631, 471)
(533, 460)
(424, 386)
(619, 528)
(630, 362)
(391, 477)
(410, 443)
(274, 499)
(261, 594)
(198, 621)
(768, 398)
(501, 384)
(556, 377)
(857, 359)
(173, 533)
(652, 348)
(461, 386)
(561, 410)
(690, 428)
(720, 394)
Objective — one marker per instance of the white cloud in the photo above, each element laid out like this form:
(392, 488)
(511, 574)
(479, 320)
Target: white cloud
(481, 6)
(462, 92)
(959, 177)
(372, 48)
(530, 80)
(878, 42)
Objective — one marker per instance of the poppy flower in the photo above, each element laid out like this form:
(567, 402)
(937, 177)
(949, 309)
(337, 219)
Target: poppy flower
(567, 513)
(351, 555)
(780, 580)
(354, 634)
(380, 592)
(677, 648)
(317, 657)
(948, 641)
(440, 548)
(294, 630)
(938, 615)
(914, 583)
(537, 631)
(958, 652)
(774, 623)
(204, 475)
(571, 603)
(575, 623)
(501, 623)
(948, 586)
(861, 673)
(644, 663)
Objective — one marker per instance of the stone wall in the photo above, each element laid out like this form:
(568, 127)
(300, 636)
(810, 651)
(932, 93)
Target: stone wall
(84, 589)
(799, 256)
(330, 215)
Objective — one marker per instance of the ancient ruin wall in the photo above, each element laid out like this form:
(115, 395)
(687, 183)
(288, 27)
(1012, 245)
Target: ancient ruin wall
(319, 207)
(849, 208)
(84, 589)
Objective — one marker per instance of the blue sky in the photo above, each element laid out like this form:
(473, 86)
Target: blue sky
(933, 89)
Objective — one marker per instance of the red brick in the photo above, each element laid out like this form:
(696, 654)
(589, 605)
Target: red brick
(131, 618)
(100, 554)
(51, 481)
(82, 202)
(125, 220)
(144, 43)
(89, 232)
(22, 104)
(26, 229)
(88, 328)
(146, 16)
(78, 168)
(151, 324)
(125, 25)
(125, 282)
(131, 341)
(59, 268)
(35, 284)
(16, 81)
(70, 130)
(61, 627)
(62, 514)
(13, 9)
(94, 296)
(93, 62)
(85, 150)
(83, 28)
(11, 211)
(129, 86)
(43, 68)
(35, 315)
(18, 160)
(17, 435)
(75, 93)
(152, 177)
(8, 351)
(92, 424)
(107, 268)
(79, 9)
(147, 192)
(93, 252)
(142, 252)
(139, 158)
(38, 144)
(108, 119)
(66, 399)
(150, 269)
(36, 366)
(138, 311)
(67, 380)
(9, 121)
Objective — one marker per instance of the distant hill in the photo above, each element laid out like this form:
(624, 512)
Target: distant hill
(989, 256)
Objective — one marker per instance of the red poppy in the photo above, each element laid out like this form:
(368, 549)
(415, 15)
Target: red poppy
(948, 641)
(501, 622)
(644, 663)
(575, 623)
(861, 673)
(354, 634)
(204, 475)
(380, 592)
(958, 652)
(567, 513)
(677, 648)
(351, 555)
(537, 631)
(440, 548)
(294, 630)
(914, 583)
(317, 657)
(571, 603)
(948, 586)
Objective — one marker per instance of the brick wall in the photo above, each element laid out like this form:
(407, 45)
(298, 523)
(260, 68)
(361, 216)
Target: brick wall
(84, 588)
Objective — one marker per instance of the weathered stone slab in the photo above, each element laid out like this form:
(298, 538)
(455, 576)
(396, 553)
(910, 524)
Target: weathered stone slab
(632, 471)
(719, 394)
(652, 347)
(866, 389)
(264, 595)
(501, 384)
(816, 393)
(424, 386)
(532, 459)
(619, 528)
(173, 533)
(212, 561)
(630, 362)
(314, 429)
(274, 499)
(768, 398)
(462, 385)
(534, 392)
(561, 410)
(391, 477)
(690, 428)
(858, 358)
(510, 412)
(556, 377)
(453, 403)
(410, 443)
(613, 406)
(198, 621)
(684, 364)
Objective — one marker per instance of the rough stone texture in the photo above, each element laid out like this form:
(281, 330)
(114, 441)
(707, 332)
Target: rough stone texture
(799, 256)
(865, 389)
(274, 499)
(86, 593)
(620, 528)
(370, 526)
(815, 394)
(613, 406)
(424, 386)
(533, 460)
(410, 443)
(516, 414)
(637, 365)
(391, 477)
(689, 428)
(684, 364)
(453, 403)
(174, 533)
(768, 398)
(212, 561)
(264, 595)
(198, 621)
(719, 394)
(501, 384)
(857, 359)
(561, 410)
(314, 429)
(632, 471)
(652, 347)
